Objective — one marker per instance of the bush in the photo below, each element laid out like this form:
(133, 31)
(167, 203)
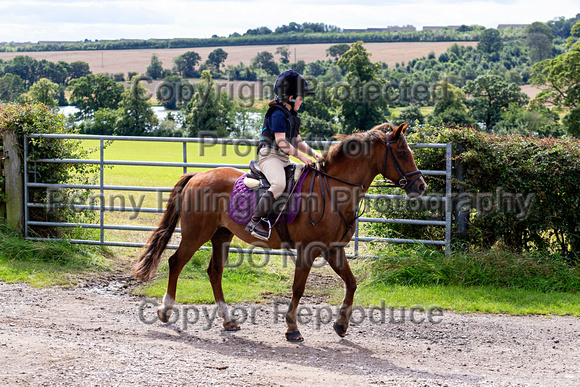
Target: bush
(38, 118)
(520, 191)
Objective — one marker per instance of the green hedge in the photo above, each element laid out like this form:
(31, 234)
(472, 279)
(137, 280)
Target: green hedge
(269, 39)
(522, 192)
(38, 118)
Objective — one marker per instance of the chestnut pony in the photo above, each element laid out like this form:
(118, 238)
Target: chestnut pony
(322, 229)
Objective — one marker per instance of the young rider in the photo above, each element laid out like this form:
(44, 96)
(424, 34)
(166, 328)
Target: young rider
(280, 139)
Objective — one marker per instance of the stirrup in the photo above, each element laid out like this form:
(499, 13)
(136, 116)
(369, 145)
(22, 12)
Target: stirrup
(260, 236)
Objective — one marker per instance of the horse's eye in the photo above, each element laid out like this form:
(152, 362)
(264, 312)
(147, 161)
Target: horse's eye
(402, 154)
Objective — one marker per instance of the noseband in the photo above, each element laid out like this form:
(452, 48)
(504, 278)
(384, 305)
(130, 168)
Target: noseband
(402, 182)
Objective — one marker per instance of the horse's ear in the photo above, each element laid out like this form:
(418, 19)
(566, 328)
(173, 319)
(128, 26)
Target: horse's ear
(398, 131)
(405, 128)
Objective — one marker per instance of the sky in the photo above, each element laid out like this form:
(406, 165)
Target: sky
(73, 20)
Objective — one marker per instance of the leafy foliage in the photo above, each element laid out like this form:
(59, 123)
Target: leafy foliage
(93, 92)
(38, 118)
(562, 78)
(44, 92)
(216, 58)
(490, 41)
(208, 112)
(11, 87)
(490, 96)
(155, 68)
(504, 171)
(357, 109)
(185, 63)
(265, 61)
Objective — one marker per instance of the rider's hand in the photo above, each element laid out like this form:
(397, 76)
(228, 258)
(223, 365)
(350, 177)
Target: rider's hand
(317, 156)
(307, 160)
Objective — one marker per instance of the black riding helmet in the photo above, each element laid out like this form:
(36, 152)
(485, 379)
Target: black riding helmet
(291, 83)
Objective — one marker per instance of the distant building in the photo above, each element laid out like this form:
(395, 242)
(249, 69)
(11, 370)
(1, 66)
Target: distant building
(437, 28)
(386, 29)
(58, 41)
(16, 44)
(515, 26)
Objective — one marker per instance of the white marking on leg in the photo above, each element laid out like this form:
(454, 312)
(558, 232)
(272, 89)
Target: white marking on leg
(223, 311)
(168, 304)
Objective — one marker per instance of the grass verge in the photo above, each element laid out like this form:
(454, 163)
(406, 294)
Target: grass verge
(46, 263)
(242, 281)
(495, 281)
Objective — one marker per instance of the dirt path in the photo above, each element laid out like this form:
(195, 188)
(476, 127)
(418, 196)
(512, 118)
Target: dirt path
(93, 335)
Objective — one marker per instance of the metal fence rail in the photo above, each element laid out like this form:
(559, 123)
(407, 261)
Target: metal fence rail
(101, 187)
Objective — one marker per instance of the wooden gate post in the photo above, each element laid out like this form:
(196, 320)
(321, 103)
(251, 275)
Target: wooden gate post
(2, 200)
(14, 182)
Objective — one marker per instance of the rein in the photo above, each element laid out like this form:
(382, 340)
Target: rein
(323, 180)
(324, 186)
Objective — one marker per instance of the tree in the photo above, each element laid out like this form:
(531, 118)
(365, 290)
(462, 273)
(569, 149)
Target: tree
(93, 92)
(11, 86)
(490, 96)
(538, 121)
(185, 63)
(208, 112)
(316, 69)
(44, 92)
(135, 116)
(539, 41)
(78, 69)
(562, 78)
(216, 58)
(490, 41)
(56, 72)
(155, 69)
(361, 104)
(284, 52)
(411, 114)
(25, 67)
(103, 123)
(265, 61)
(337, 51)
(451, 109)
(172, 91)
(572, 122)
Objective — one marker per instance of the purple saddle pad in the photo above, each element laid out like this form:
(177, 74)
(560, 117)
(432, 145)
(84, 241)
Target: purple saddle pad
(243, 201)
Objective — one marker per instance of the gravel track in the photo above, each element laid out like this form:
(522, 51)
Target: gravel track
(92, 335)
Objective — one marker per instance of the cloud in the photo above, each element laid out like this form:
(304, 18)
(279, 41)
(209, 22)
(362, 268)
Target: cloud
(35, 20)
(83, 13)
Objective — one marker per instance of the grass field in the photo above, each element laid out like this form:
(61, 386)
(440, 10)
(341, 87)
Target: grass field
(123, 61)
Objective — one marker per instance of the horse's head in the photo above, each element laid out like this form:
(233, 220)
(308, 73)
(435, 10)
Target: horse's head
(398, 163)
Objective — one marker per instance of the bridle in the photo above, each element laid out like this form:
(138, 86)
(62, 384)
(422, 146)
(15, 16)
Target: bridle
(323, 180)
(402, 182)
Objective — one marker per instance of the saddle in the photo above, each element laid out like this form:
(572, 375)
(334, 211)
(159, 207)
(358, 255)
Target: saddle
(255, 180)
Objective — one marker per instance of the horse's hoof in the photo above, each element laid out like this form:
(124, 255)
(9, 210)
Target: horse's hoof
(164, 314)
(339, 329)
(294, 337)
(231, 326)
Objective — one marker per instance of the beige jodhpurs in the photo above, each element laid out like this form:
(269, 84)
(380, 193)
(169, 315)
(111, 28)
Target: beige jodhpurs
(272, 164)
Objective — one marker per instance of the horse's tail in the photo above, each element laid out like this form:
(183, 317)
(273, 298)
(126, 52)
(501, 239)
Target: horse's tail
(146, 266)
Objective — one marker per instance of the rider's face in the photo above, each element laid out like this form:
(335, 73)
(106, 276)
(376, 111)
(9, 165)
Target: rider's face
(298, 103)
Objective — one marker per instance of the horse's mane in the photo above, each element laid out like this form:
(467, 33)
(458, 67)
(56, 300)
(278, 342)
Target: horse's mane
(376, 134)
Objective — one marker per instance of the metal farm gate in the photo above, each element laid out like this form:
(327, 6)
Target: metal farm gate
(30, 181)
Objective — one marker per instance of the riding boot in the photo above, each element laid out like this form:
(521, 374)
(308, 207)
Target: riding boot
(259, 226)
